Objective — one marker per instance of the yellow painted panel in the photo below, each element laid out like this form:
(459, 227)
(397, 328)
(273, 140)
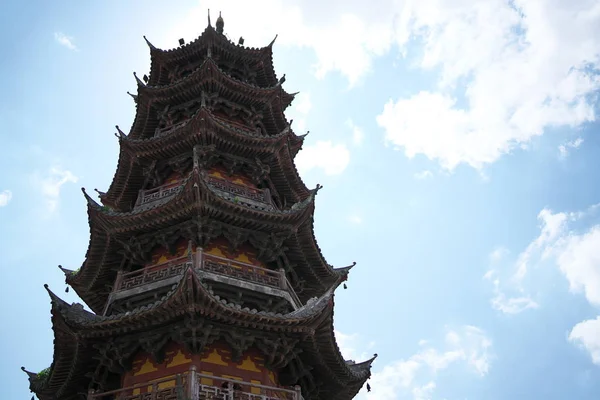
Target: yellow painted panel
(255, 390)
(243, 258)
(206, 381)
(147, 367)
(272, 376)
(216, 251)
(216, 174)
(136, 392)
(249, 365)
(214, 358)
(179, 359)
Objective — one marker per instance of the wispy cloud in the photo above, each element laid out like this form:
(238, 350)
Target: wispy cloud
(563, 149)
(569, 241)
(416, 375)
(64, 40)
(50, 184)
(5, 197)
(423, 175)
(358, 135)
(325, 155)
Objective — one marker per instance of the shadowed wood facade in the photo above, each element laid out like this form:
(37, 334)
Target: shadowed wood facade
(203, 275)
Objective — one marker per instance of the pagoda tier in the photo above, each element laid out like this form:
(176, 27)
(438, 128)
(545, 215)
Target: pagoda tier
(290, 342)
(205, 129)
(261, 109)
(197, 212)
(202, 271)
(252, 65)
(271, 157)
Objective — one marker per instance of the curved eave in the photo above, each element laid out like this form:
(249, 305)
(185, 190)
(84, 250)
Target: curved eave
(204, 128)
(209, 69)
(67, 374)
(190, 297)
(344, 379)
(291, 176)
(201, 201)
(199, 130)
(263, 56)
(126, 168)
(101, 260)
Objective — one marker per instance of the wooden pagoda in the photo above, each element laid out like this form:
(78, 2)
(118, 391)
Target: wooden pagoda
(202, 272)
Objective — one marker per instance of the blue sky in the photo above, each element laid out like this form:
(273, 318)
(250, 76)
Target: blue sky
(456, 144)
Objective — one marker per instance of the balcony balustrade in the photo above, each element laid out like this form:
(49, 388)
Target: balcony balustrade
(147, 197)
(213, 267)
(160, 132)
(190, 386)
(255, 198)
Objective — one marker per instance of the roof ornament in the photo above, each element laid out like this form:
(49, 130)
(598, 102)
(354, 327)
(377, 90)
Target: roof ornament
(152, 47)
(220, 24)
(241, 41)
(133, 96)
(139, 82)
(368, 387)
(282, 80)
(209, 17)
(181, 42)
(273, 41)
(121, 133)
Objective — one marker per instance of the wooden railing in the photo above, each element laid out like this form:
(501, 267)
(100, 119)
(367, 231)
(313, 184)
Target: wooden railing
(190, 386)
(151, 274)
(159, 132)
(209, 263)
(159, 193)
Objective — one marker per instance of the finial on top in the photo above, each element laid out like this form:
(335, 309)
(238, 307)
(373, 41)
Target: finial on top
(220, 24)
(209, 17)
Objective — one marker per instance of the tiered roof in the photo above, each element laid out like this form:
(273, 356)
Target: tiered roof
(310, 329)
(206, 73)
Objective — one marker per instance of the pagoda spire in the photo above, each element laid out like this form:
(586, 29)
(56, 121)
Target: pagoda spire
(220, 24)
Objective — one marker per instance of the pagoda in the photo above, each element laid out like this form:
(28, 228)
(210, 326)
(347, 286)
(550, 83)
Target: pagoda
(203, 275)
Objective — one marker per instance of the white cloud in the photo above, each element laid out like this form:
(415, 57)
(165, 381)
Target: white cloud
(51, 183)
(507, 69)
(416, 375)
(587, 335)
(65, 40)
(348, 345)
(344, 36)
(563, 149)
(331, 158)
(358, 135)
(423, 175)
(5, 197)
(525, 66)
(574, 250)
(303, 103)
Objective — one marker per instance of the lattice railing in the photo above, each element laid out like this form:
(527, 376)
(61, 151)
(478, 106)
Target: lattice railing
(237, 190)
(160, 132)
(193, 386)
(149, 196)
(241, 270)
(204, 262)
(153, 273)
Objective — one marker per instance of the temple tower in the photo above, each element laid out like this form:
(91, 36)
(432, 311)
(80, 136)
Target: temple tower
(203, 274)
